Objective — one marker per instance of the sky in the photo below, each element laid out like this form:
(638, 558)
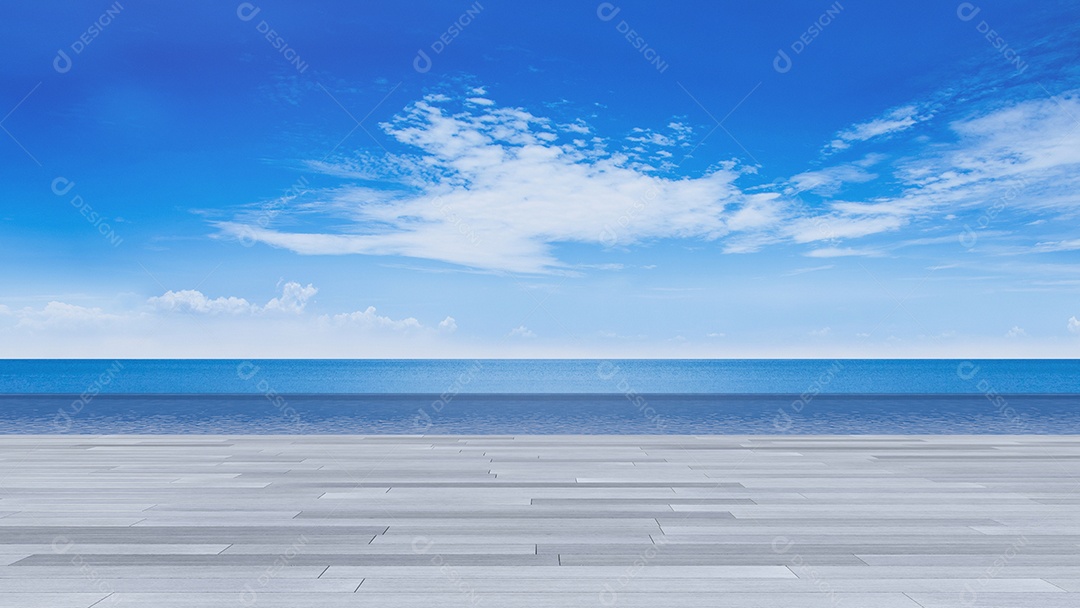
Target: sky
(558, 179)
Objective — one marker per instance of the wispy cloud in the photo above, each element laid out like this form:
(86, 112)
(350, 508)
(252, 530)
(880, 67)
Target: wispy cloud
(499, 188)
(894, 121)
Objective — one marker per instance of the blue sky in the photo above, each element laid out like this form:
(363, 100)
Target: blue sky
(441, 179)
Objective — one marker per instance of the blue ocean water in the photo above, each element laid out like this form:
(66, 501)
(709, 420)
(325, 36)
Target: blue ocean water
(541, 396)
(547, 376)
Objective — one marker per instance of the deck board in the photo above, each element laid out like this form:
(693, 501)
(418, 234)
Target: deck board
(802, 521)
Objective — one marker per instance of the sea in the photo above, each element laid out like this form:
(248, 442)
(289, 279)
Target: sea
(540, 396)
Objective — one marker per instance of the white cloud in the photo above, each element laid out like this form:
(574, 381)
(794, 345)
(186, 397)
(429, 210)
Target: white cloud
(61, 314)
(191, 300)
(578, 126)
(1015, 332)
(1023, 156)
(1074, 325)
(840, 226)
(497, 189)
(449, 325)
(893, 121)
(798, 271)
(829, 180)
(293, 298)
(521, 332)
(820, 333)
(1064, 245)
(513, 195)
(839, 252)
(370, 319)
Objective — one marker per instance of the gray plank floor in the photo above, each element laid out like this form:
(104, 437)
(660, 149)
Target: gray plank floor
(539, 521)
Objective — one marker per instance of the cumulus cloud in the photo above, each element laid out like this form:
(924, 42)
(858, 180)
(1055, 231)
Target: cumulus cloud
(194, 301)
(370, 319)
(293, 299)
(449, 325)
(1015, 332)
(1074, 325)
(521, 332)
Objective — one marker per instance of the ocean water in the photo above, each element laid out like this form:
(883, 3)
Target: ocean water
(541, 396)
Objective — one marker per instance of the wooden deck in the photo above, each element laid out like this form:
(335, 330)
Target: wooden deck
(539, 521)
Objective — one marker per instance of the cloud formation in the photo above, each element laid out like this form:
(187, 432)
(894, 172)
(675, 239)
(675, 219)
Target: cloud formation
(499, 188)
(293, 299)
